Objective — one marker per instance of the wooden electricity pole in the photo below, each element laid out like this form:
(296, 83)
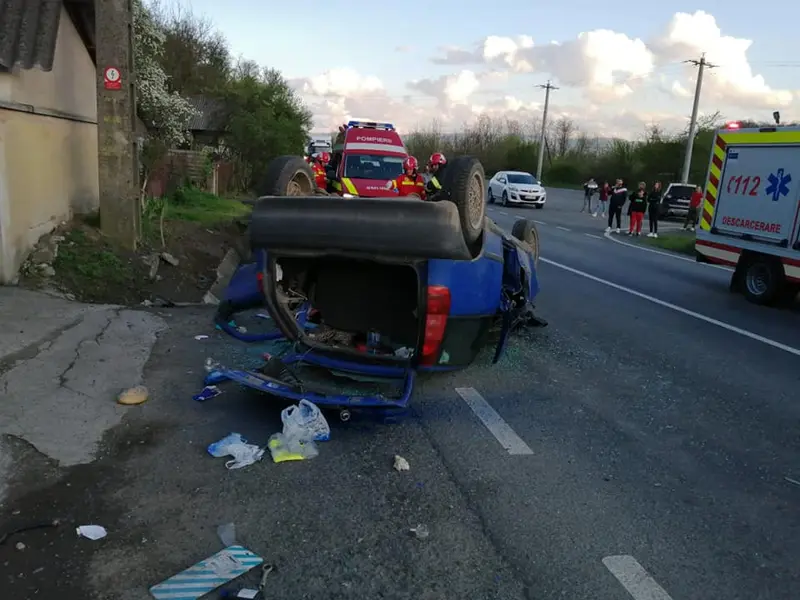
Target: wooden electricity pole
(118, 160)
(542, 136)
(701, 65)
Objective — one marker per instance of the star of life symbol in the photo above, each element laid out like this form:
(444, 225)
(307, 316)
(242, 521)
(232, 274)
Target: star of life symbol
(778, 184)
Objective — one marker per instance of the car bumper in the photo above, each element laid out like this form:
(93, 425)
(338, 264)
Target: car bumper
(680, 211)
(530, 200)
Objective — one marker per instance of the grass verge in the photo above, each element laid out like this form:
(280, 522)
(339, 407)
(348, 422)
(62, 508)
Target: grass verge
(204, 208)
(682, 243)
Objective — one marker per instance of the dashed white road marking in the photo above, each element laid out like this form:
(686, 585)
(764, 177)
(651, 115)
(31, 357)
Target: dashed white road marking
(539, 222)
(502, 212)
(494, 423)
(676, 308)
(562, 228)
(633, 577)
(591, 235)
(609, 236)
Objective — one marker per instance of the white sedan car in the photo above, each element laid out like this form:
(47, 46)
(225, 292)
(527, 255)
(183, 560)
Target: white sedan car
(516, 187)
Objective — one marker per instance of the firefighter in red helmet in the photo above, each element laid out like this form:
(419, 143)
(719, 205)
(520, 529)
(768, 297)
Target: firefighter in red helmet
(410, 182)
(436, 167)
(321, 160)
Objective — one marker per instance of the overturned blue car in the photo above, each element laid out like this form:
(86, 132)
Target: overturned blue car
(379, 288)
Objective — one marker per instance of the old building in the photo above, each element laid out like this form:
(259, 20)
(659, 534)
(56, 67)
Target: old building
(48, 121)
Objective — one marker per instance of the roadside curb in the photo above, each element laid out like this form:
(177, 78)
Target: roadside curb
(610, 236)
(225, 270)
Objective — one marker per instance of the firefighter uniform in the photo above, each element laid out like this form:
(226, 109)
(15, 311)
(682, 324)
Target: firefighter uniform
(411, 184)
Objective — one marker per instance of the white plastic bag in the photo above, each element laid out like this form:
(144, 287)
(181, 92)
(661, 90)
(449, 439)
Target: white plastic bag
(305, 422)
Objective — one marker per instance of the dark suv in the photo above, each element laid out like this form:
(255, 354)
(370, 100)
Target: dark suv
(675, 200)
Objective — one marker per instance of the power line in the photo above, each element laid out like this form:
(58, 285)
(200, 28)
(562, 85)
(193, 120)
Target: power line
(701, 65)
(540, 162)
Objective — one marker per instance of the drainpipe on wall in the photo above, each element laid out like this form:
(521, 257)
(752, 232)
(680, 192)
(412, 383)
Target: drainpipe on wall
(8, 268)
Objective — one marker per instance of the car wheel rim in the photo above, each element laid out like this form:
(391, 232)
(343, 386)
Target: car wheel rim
(475, 201)
(300, 185)
(758, 280)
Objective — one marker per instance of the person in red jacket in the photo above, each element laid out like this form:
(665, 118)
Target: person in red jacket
(694, 206)
(410, 182)
(321, 160)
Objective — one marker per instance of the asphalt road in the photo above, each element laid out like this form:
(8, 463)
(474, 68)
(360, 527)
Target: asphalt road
(652, 428)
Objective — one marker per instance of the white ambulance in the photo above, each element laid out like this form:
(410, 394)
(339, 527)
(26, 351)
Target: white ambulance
(749, 216)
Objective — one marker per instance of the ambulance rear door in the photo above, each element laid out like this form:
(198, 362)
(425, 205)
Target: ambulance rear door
(757, 195)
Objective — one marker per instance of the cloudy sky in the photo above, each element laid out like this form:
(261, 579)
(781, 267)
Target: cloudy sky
(618, 64)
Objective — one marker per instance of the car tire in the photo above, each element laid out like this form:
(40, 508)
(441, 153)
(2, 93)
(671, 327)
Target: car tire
(762, 280)
(287, 176)
(490, 199)
(504, 201)
(525, 231)
(465, 183)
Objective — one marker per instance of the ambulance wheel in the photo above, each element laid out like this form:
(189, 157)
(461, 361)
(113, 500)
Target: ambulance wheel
(288, 176)
(762, 280)
(466, 183)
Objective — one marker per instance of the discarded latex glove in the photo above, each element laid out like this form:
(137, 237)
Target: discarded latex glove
(133, 396)
(285, 449)
(92, 532)
(401, 464)
(243, 455)
(235, 446)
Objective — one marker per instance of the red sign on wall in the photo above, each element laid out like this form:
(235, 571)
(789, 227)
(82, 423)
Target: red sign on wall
(112, 78)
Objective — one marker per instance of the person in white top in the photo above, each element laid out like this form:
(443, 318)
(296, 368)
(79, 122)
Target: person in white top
(589, 188)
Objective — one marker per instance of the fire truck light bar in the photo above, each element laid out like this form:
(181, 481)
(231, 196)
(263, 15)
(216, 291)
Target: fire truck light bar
(371, 125)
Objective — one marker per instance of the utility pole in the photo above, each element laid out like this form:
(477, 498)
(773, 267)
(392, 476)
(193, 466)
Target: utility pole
(540, 163)
(118, 159)
(701, 65)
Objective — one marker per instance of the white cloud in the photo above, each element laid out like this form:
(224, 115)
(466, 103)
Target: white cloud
(602, 61)
(610, 65)
(449, 89)
(611, 69)
(732, 81)
(338, 82)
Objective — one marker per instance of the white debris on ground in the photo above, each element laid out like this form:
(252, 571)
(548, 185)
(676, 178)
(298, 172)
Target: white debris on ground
(401, 464)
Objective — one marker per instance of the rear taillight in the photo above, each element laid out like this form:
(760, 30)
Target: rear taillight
(438, 307)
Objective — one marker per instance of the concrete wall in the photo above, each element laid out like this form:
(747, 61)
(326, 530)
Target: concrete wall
(48, 162)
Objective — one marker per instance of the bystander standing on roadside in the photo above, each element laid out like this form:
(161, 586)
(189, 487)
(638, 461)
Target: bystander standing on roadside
(653, 208)
(634, 194)
(602, 202)
(589, 188)
(694, 205)
(636, 211)
(619, 194)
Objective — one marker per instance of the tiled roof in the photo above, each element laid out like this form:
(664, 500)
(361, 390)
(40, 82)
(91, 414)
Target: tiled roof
(29, 29)
(211, 114)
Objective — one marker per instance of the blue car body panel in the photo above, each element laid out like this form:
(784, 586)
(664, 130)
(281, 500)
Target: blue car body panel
(482, 288)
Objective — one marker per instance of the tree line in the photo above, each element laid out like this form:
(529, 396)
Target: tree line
(571, 156)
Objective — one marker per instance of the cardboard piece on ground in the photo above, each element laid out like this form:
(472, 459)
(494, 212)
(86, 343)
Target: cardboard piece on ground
(207, 575)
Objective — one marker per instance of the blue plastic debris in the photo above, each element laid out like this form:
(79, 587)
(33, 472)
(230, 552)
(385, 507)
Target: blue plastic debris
(208, 392)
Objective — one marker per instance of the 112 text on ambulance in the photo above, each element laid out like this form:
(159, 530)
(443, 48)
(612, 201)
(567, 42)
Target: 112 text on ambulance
(744, 186)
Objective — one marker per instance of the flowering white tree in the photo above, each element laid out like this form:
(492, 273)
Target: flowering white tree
(166, 114)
